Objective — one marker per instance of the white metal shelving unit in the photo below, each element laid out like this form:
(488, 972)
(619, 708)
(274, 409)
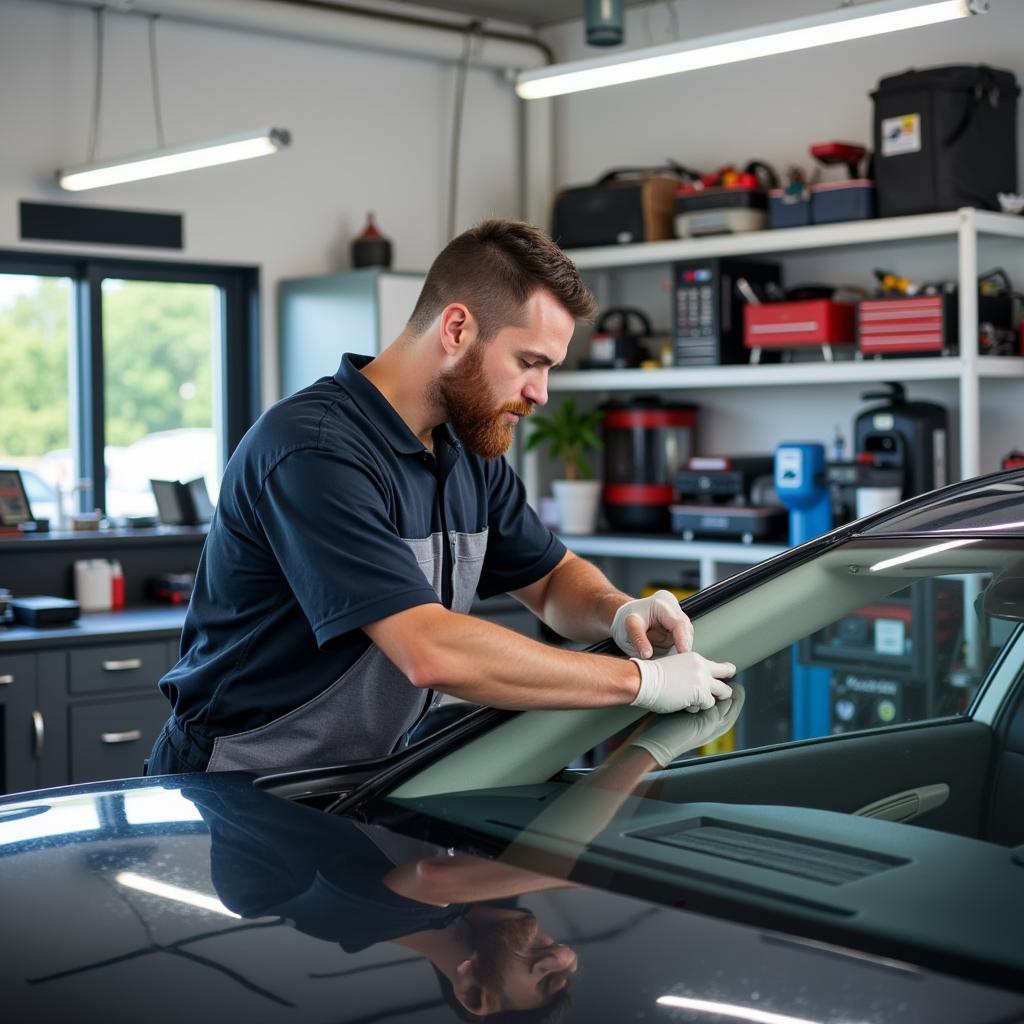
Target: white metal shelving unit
(708, 555)
(962, 227)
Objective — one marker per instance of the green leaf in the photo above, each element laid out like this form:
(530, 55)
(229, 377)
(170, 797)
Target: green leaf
(568, 433)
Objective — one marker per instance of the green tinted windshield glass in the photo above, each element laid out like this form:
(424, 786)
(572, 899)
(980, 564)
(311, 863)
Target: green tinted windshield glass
(873, 635)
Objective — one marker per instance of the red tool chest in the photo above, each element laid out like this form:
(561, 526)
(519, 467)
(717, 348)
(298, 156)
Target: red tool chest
(904, 325)
(774, 325)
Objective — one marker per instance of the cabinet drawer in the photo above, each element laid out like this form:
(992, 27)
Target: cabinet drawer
(111, 741)
(116, 667)
(17, 674)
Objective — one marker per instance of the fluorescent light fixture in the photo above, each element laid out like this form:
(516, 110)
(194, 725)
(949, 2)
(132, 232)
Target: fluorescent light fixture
(855, 22)
(748, 1013)
(131, 880)
(171, 160)
(913, 556)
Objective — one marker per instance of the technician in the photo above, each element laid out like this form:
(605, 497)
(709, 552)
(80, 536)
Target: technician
(358, 518)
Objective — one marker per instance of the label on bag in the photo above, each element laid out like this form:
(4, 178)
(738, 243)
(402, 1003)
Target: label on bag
(901, 134)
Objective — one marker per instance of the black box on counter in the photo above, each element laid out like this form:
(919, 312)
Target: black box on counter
(42, 610)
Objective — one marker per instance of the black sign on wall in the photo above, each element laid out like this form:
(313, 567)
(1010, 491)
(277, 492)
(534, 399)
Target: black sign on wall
(59, 222)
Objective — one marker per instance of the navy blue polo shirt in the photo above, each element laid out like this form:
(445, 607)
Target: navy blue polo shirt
(333, 515)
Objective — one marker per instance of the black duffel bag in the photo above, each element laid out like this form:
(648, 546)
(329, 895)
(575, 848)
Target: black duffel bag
(945, 137)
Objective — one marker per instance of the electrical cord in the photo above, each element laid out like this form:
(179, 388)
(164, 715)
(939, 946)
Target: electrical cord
(672, 30)
(673, 17)
(97, 94)
(473, 33)
(155, 82)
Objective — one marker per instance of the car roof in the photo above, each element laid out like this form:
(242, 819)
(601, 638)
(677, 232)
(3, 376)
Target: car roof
(202, 891)
(990, 505)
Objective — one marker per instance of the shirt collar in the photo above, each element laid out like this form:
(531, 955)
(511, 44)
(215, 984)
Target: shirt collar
(381, 413)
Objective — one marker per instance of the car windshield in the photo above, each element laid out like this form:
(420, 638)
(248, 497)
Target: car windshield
(874, 634)
(876, 653)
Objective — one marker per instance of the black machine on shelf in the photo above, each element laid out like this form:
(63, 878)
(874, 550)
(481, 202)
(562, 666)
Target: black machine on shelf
(708, 309)
(619, 341)
(911, 436)
(728, 498)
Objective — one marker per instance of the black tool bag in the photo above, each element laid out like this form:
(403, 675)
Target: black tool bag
(945, 137)
(628, 204)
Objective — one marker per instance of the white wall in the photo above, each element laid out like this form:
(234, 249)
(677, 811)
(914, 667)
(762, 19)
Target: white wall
(371, 132)
(773, 109)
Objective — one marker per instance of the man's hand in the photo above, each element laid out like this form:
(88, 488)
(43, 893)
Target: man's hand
(670, 736)
(652, 625)
(682, 681)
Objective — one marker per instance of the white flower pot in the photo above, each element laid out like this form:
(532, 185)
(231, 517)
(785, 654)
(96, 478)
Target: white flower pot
(578, 504)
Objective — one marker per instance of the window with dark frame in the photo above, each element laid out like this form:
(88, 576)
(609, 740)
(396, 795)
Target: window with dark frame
(115, 371)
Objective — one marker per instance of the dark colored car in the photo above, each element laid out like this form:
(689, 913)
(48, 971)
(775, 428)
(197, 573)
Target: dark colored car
(839, 842)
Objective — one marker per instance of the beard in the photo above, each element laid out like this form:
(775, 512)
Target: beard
(465, 396)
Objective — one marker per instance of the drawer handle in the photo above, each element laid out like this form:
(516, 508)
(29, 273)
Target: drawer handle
(129, 736)
(124, 665)
(6, 680)
(39, 733)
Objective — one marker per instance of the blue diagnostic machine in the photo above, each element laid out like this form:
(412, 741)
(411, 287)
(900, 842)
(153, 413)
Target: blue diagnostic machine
(802, 487)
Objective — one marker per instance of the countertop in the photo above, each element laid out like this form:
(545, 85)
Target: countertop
(141, 623)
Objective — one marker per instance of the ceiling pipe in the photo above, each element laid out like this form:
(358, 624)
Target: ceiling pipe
(318, 21)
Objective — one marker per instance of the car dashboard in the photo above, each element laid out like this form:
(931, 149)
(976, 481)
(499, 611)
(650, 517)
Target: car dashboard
(949, 902)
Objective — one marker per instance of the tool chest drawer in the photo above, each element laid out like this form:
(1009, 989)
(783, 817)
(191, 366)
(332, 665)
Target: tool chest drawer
(111, 740)
(116, 667)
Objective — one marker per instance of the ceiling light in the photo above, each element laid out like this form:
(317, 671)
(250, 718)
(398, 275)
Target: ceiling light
(852, 22)
(163, 159)
(172, 159)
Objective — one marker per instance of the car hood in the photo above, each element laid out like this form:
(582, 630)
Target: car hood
(192, 897)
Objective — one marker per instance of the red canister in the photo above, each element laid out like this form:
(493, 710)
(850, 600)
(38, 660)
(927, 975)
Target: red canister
(645, 443)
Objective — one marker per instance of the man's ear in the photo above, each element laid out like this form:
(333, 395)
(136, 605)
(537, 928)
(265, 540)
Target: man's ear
(473, 996)
(458, 328)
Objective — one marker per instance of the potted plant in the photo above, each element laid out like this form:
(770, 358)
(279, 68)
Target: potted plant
(569, 433)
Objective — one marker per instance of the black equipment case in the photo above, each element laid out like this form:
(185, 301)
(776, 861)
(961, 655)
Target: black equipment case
(945, 137)
(623, 206)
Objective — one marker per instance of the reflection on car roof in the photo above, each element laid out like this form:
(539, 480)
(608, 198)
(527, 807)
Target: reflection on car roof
(991, 504)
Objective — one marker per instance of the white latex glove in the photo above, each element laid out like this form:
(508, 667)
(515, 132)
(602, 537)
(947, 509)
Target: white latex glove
(680, 681)
(652, 625)
(670, 736)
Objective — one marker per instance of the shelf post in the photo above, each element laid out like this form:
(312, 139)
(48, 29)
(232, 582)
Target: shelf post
(970, 403)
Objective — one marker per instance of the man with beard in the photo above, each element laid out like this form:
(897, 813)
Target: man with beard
(358, 518)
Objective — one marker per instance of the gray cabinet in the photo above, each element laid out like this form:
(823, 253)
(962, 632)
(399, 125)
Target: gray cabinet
(116, 667)
(110, 739)
(81, 711)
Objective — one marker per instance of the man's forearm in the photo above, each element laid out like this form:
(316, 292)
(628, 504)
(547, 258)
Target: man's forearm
(482, 662)
(578, 601)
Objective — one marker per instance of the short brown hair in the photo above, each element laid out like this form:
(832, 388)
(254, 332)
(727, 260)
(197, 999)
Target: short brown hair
(554, 1011)
(494, 268)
